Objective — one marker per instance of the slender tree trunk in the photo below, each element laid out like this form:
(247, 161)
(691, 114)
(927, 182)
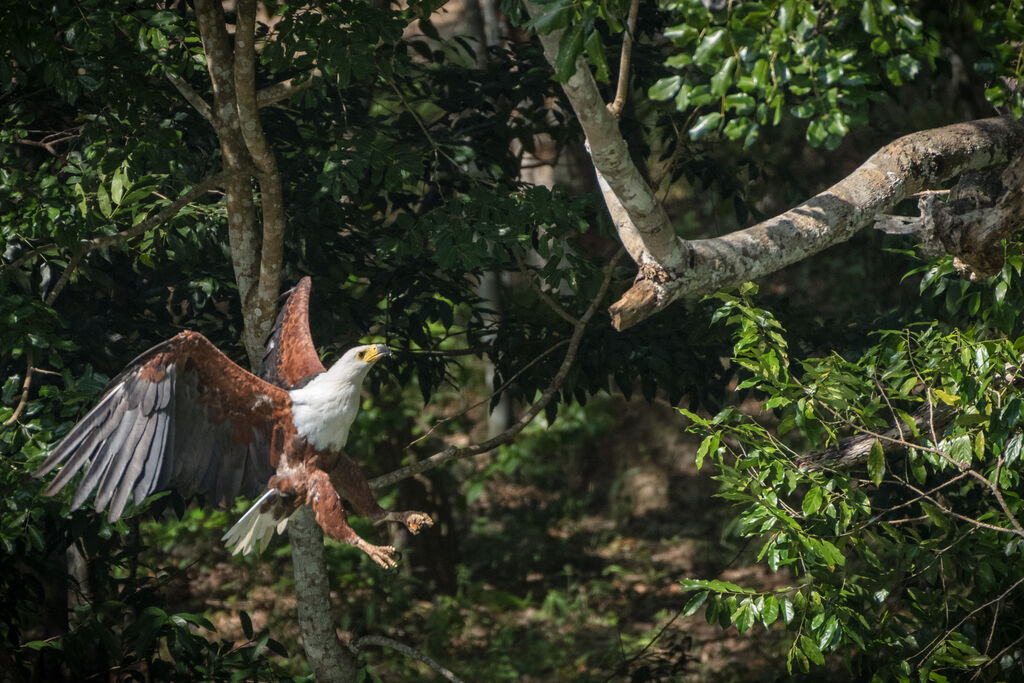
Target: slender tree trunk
(257, 256)
(324, 652)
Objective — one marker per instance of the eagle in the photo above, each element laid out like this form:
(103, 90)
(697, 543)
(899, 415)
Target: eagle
(183, 416)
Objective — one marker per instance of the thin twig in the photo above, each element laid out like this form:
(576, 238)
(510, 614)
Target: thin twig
(939, 639)
(622, 667)
(544, 296)
(952, 513)
(381, 641)
(622, 88)
(494, 393)
(997, 656)
(453, 452)
(25, 387)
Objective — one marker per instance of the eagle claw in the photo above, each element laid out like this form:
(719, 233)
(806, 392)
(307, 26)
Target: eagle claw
(413, 521)
(383, 555)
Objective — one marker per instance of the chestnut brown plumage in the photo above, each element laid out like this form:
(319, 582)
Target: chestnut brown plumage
(184, 416)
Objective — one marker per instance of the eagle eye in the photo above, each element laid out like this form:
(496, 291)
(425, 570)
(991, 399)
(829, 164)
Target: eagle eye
(361, 355)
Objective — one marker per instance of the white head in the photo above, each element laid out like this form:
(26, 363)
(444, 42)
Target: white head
(356, 362)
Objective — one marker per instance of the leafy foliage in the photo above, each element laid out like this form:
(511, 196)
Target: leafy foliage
(882, 558)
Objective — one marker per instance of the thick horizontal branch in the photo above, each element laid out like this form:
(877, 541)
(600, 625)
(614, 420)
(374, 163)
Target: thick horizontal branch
(908, 165)
(854, 450)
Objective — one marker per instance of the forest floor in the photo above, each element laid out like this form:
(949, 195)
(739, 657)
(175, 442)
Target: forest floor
(565, 568)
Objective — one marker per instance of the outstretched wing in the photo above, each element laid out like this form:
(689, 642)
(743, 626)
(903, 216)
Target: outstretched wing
(182, 415)
(291, 356)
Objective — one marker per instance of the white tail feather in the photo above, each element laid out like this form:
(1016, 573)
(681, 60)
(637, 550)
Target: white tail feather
(254, 527)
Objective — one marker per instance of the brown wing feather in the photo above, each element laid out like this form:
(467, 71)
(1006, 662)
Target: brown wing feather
(291, 356)
(182, 415)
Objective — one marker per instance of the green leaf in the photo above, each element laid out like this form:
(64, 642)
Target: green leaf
(595, 51)
(828, 632)
(868, 18)
(104, 201)
(555, 16)
(705, 126)
(713, 41)
(743, 617)
(721, 81)
(570, 47)
(116, 188)
(694, 603)
(665, 88)
(812, 501)
(708, 445)
(246, 624)
(811, 649)
(936, 515)
(1012, 451)
(770, 611)
(876, 463)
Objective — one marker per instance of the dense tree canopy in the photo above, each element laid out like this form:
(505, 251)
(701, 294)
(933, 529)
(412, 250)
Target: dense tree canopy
(177, 166)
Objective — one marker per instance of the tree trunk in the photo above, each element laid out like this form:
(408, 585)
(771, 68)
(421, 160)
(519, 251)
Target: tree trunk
(257, 255)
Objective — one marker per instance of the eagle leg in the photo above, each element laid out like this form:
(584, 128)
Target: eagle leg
(331, 517)
(348, 479)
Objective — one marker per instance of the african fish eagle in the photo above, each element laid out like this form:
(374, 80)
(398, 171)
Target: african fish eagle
(183, 416)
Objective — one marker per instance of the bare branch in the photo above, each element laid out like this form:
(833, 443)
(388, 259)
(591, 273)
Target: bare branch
(357, 646)
(622, 87)
(272, 94)
(26, 386)
(643, 225)
(453, 452)
(192, 97)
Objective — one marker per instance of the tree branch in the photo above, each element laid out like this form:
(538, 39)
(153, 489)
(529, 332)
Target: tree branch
(853, 450)
(670, 267)
(912, 163)
(328, 659)
(622, 87)
(26, 386)
(381, 641)
(192, 97)
(268, 285)
(453, 452)
(643, 225)
(272, 94)
(243, 234)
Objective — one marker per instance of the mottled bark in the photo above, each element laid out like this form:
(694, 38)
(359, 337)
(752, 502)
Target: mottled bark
(268, 285)
(243, 233)
(854, 450)
(908, 165)
(327, 658)
(640, 219)
(972, 231)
